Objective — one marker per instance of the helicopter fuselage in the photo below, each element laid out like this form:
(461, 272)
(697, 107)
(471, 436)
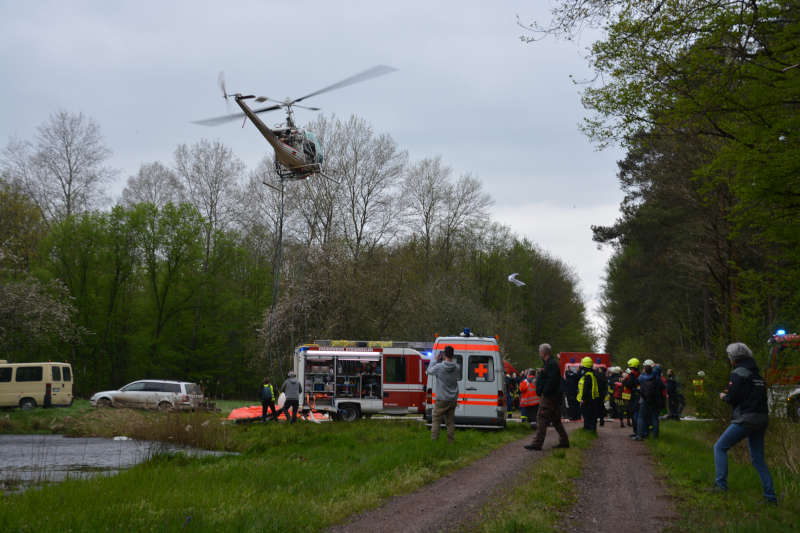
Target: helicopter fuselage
(298, 153)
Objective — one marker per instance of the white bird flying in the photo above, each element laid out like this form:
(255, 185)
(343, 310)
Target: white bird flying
(513, 279)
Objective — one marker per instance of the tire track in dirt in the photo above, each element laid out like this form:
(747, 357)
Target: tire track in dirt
(619, 485)
(453, 500)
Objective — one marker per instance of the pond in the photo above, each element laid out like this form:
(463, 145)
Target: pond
(28, 460)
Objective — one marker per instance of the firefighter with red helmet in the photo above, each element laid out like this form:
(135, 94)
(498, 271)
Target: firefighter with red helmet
(529, 401)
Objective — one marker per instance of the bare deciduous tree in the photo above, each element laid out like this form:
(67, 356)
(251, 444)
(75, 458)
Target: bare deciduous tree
(464, 206)
(370, 168)
(63, 170)
(209, 172)
(155, 184)
(424, 190)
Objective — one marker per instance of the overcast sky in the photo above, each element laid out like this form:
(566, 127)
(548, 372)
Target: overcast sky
(466, 89)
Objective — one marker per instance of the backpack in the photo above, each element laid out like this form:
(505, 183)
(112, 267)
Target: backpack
(649, 390)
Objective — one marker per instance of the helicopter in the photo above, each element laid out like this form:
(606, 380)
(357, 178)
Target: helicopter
(298, 152)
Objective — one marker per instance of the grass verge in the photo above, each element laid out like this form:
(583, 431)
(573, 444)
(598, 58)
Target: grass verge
(685, 458)
(301, 477)
(537, 499)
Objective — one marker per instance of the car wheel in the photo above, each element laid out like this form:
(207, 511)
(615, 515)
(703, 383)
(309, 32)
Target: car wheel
(348, 414)
(164, 406)
(27, 403)
(103, 402)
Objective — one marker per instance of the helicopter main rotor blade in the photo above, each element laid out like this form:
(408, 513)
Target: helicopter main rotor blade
(378, 70)
(216, 121)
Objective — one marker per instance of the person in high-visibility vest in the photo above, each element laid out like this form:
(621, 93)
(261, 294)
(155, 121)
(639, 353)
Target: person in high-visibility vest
(630, 393)
(615, 394)
(698, 383)
(529, 401)
(588, 393)
(267, 397)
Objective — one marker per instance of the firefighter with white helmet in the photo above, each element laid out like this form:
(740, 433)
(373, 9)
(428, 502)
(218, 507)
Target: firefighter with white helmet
(615, 397)
(698, 390)
(588, 393)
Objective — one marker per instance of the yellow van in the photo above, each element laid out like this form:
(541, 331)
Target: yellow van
(26, 385)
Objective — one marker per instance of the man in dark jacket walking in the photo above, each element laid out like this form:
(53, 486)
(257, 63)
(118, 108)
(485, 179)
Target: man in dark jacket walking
(548, 388)
(747, 393)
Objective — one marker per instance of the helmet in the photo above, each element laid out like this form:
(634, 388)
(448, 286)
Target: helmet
(587, 362)
(633, 362)
(649, 362)
(701, 373)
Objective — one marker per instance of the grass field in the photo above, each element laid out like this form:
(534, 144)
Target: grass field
(300, 477)
(684, 455)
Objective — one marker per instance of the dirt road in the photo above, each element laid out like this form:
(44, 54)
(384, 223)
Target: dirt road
(464, 491)
(620, 482)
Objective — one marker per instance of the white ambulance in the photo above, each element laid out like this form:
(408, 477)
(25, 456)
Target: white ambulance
(481, 387)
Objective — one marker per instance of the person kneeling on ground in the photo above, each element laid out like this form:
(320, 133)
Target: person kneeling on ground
(747, 393)
(548, 387)
(446, 390)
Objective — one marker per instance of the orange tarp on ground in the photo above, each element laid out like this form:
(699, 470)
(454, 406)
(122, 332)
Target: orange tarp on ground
(252, 412)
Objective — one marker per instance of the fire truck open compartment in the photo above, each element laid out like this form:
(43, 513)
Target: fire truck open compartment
(351, 381)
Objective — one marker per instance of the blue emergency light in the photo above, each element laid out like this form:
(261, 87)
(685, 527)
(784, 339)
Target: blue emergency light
(780, 332)
(466, 332)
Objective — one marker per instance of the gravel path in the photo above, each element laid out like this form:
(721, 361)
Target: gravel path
(620, 482)
(455, 498)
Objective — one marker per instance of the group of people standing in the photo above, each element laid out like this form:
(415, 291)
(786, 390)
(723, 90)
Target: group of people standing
(291, 389)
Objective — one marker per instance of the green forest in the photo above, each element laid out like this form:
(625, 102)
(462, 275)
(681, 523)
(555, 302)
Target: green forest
(704, 98)
(179, 278)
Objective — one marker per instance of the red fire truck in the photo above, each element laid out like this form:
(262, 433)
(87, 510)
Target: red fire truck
(573, 360)
(783, 374)
(351, 379)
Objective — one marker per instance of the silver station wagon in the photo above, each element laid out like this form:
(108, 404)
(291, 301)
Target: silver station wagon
(159, 394)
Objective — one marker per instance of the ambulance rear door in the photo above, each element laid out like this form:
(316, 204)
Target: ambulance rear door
(478, 398)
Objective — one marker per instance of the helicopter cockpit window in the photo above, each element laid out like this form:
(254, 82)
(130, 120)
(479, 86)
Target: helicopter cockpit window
(317, 150)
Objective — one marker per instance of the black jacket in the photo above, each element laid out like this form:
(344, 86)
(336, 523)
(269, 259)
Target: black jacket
(548, 381)
(602, 384)
(747, 393)
(672, 386)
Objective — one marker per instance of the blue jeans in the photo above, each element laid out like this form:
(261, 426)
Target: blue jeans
(648, 416)
(755, 441)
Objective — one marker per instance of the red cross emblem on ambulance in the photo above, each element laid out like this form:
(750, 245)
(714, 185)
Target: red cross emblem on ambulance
(481, 370)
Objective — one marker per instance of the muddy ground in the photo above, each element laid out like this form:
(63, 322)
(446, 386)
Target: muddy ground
(619, 486)
(619, 480)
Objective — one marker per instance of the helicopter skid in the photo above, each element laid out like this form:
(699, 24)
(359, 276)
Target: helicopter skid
(296, 173)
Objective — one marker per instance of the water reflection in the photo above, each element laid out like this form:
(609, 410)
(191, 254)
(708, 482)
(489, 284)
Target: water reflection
(27, 460)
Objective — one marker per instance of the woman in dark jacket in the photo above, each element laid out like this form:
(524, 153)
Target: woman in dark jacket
(747, 393)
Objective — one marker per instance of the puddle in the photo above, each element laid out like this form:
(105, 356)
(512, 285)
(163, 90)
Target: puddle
(29, 460)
